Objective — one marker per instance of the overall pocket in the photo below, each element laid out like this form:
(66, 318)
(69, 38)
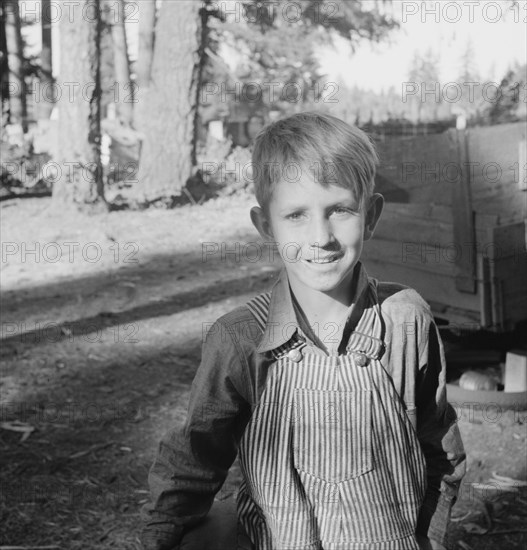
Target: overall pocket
(332, 433)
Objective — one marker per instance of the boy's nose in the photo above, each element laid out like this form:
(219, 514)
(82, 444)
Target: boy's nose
(321, 233)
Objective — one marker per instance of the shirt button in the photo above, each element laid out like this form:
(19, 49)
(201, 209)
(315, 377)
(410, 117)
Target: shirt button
(295, 355)
(360, 359)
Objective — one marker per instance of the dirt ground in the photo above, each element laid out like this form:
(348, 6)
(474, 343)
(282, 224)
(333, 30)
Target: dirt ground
(101, 334)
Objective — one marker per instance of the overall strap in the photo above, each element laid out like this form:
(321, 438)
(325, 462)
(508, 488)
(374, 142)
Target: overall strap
(361, 338)
(259, 308)
(367, 337)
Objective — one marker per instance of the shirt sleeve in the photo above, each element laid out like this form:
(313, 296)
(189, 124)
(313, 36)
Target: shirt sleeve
(440, 439)
(192, 462)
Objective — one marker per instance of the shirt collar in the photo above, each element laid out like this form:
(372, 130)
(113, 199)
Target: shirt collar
(282, 328)
(281, 322)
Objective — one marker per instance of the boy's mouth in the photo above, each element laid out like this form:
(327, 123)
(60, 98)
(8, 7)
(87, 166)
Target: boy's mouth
(326, 260)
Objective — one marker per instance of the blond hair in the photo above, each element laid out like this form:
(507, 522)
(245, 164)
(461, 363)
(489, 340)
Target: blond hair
(333, 151)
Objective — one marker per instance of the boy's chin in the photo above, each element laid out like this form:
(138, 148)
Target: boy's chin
(328, 283)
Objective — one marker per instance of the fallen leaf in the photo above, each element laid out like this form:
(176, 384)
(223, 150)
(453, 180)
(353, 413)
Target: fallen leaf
(474, 528)
(17, 426)
(493, 487)
(461, 518)
(509, 480)
(25, 435)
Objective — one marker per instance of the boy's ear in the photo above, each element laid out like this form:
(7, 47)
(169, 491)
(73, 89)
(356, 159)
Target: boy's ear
(261, 222)
(373, 214)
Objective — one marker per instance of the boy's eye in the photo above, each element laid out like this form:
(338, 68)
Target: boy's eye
(341, 210)
(294, 216)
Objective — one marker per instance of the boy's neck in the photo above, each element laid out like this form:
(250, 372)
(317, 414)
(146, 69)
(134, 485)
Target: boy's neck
(320, 306)
(331, 309)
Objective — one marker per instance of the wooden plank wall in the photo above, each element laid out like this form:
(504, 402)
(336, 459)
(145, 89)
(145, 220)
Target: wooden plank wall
(416, 166)
(415, 242)
(495, 186)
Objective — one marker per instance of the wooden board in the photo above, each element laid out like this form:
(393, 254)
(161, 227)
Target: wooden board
(434, 212)
(423, 169)
(507, 240)
(463, 217)
(421, 256)
(497, 144)
(399, 226)
(433, 287)
(509, 207)
(437, 215)
(507, 260)
(416, 166)
(510, 276)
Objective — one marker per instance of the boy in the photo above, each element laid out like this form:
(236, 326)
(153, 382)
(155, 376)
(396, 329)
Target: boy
(331, 388)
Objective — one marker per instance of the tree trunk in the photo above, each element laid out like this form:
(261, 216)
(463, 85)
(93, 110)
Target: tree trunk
(147, 23)
(81, 181)
(124, 97)
(47, 96)
(4, 67)
(167, 108)
(15, 60)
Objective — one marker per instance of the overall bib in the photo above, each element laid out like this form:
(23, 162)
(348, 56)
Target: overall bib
(330, 457)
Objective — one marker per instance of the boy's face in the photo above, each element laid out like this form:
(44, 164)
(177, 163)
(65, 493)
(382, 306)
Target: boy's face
(319, 230)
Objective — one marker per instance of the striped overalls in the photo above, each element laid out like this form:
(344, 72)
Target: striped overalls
(330, 457)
